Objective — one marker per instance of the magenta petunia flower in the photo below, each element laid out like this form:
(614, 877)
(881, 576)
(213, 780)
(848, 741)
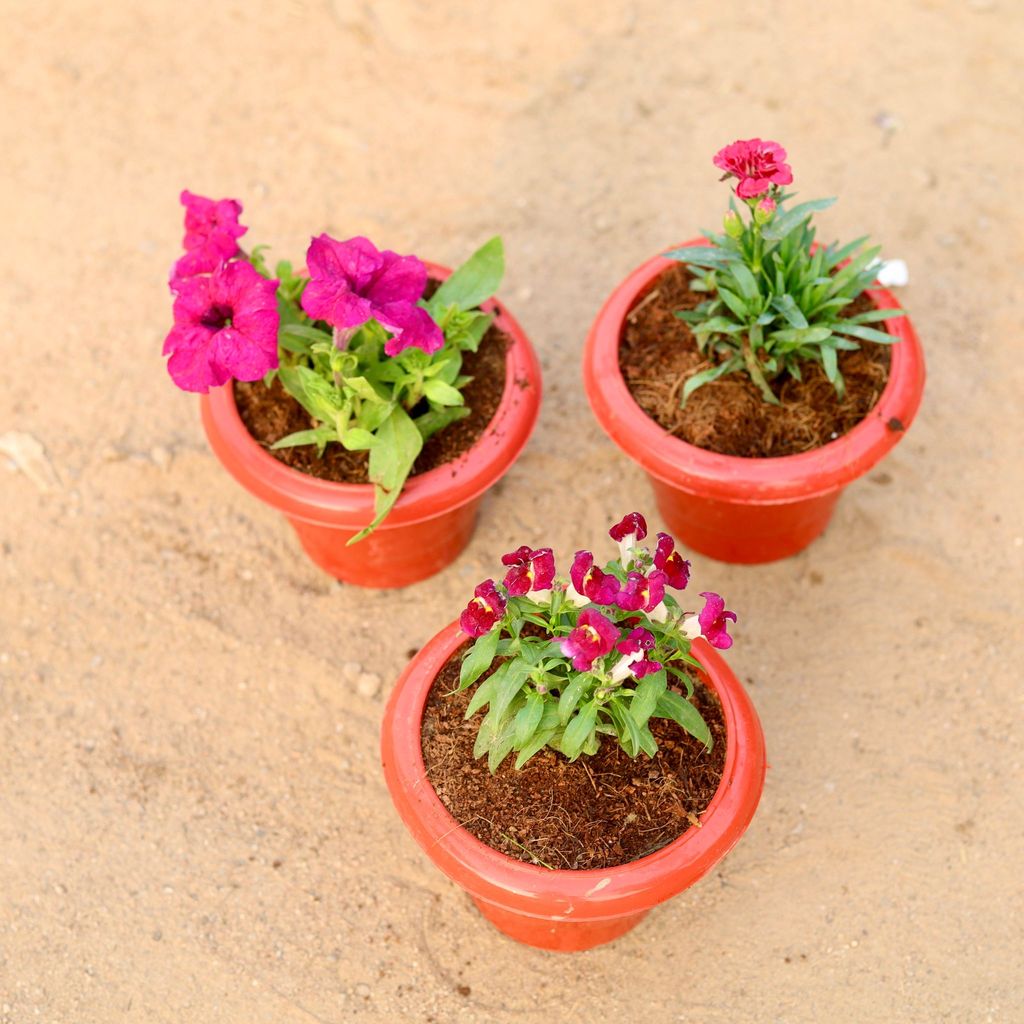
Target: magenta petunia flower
(593, 637)
(225, 325)
(531, 570)
(484, 610)
(671, 563)
(757, 165)
(713, 621)
(352, 282)
(642, 593)
(591, 582)
(211, 230)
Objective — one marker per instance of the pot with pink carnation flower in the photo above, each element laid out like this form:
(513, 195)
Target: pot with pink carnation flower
(373, 399)
(574, 750)
(753, 373)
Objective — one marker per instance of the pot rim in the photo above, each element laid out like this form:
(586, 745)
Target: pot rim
(424, 496)
(736, 478)
(592, 893)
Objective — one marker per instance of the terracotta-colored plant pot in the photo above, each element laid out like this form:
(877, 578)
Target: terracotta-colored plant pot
(567, 910)
(737, 509)
(433, 519)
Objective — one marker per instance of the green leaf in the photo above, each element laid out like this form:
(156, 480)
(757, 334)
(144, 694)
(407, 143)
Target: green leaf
(528, 718)
(475, 281)
(745, 279)
(783, 223)
(626, 729)
(865, 333)
(734, 302)
(364, 389)
(708, 375)
(501, 746)
(358, 440)
(699, 255)
(306, 332)
(540, 740)
(430, 422)
(320, 399)
(511, 682)
(873, 315)
(829, 362)
(320, 436)
(441, 393)
(673, 706)
(648, 691)
(482, 694)
(789, 309)
(478, 658)
(717, 325)
(569, 697)
(578, 731)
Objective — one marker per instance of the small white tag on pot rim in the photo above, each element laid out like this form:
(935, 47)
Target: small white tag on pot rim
(891, 273)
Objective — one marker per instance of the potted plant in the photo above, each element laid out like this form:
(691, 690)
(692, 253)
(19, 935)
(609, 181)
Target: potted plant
(618, 758)
(372, 399)
(753, 373)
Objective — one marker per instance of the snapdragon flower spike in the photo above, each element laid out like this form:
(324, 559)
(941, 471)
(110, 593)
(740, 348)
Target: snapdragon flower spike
(635, 662)
(486, 607)
(630, 529)
(642, 593)
(590, 582)
(211, 230)
(225, 325)
(713, 621)
(671, 563)
(593, 637)
(531, 570)
(353, 281)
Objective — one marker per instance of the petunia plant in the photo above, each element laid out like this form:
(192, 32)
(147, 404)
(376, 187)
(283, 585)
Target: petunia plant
(563, 662)
(775, 299)
(353, 339)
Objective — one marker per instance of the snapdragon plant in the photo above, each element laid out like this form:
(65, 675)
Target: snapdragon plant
(563, 663)
(375, 364)
(775, 299)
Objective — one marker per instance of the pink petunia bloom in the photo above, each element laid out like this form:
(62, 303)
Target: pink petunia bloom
(757, 165)
(713, 622)
(590, 582)
(484, 610)
(225, 325)
(211, 230)
(352, 282)
(671, 563)
(531, 570)
(642, 593)
(593, 637)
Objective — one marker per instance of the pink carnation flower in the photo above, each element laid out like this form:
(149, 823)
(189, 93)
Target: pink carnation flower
(757, 165)
(225, 325)
(211, 230)
(593, 637)
(352, 282)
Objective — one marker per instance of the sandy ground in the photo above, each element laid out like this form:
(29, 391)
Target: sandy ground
(193, 826)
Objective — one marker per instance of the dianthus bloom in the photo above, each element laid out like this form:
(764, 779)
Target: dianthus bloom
(352, 282)
(484, 610)
(589, 583)
(225, 325)
(531, 570)
(671, 563)
(211, 233)
(756, 165)
(593, 637)
(712, 619)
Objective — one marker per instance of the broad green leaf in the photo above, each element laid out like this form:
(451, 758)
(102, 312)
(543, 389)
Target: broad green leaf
(648, 690)
(675, 707)
(478, 658)
(502, 745)
(508, 687)
(364, 389)
(306, 332)
(528, 718)
(475, 281)
(482, 695)
(320, 436)
(441, 393)
(430, 422)
(540, 740)
(578, 731)
(319, 398)
(570, 697)
(358, 440)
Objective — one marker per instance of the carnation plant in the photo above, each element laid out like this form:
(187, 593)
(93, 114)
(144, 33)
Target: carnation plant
(352, 338)
(774, 299)
(596, 655)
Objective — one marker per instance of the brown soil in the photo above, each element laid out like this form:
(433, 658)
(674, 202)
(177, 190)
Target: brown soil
(271, 413)
(596, 812)
(659, 354)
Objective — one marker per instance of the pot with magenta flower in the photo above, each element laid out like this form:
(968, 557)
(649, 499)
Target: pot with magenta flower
(574, 750)
(373, 399)
(754, 373)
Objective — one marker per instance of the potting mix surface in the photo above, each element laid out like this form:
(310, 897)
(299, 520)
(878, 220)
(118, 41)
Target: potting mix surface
(595, 812)
(659, 353)
(271, 413)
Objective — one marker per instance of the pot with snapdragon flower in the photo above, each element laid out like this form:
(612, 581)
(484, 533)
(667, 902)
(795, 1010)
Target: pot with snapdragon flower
(372, 398)
(574, 750)
(754, 373)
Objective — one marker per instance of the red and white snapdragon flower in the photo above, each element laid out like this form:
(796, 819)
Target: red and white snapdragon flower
(561, 662)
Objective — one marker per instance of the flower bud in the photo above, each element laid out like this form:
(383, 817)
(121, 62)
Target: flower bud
(732, 224)
(764, 211)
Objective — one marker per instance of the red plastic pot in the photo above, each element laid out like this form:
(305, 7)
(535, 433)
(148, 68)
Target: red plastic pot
(567, 910)
(434, 517)
(738, 509)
